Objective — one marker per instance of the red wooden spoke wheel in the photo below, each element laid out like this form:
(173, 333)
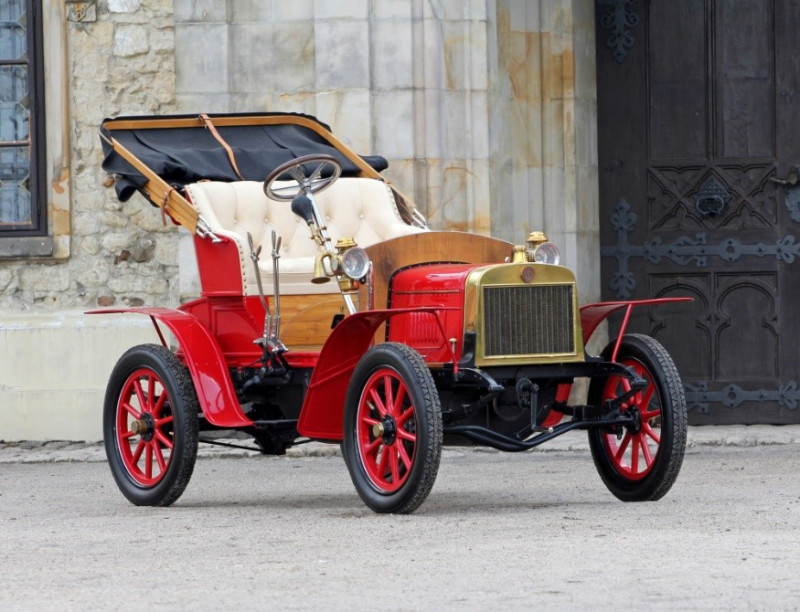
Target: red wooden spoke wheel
(150, 425)
(386, 424)
(144, 427)
(641, 460)
(633, 450)
(392, 429)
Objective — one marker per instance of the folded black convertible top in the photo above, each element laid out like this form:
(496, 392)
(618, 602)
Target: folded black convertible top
(183, 149)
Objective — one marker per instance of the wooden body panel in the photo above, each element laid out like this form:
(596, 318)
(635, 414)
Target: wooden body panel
(426, 248)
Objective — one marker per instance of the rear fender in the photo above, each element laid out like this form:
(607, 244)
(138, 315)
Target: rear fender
(205, 361)
(594, 314)
(322, 415)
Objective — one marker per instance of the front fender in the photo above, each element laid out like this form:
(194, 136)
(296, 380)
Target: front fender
(594, 314)
(205, 361)
(322, 415)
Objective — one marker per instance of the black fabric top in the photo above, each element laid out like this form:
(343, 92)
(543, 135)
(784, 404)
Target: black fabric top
(186, 155)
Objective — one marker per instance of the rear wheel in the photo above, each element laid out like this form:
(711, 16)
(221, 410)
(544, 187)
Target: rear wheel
(641, 461)
(150, 425)
(392, 429)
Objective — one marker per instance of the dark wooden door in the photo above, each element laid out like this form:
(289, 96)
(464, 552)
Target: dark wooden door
(698, 116)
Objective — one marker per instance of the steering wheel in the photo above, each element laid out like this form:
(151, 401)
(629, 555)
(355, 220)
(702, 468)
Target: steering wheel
(306, 176)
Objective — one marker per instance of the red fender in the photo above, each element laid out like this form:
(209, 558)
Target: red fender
(591, 317)
(322, 415)
(205, 361)
(594, 314)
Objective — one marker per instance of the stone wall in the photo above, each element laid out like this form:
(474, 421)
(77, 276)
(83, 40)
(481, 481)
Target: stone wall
(484, 108)
(103, 58)
(119, 59)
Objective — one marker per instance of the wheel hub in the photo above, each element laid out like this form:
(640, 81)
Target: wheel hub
(636, 420)
(145, 427)
(386, 429)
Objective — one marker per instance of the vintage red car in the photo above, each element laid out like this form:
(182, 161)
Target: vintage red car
(330, 311)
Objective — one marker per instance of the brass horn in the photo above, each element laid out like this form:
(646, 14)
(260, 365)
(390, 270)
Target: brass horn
(320, 276)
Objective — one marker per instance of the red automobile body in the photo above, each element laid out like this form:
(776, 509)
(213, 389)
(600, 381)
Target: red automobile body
(215, 336)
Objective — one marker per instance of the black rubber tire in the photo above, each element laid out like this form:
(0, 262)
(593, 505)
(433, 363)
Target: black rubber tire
(648, 354)
(182, 432)
(427, 428)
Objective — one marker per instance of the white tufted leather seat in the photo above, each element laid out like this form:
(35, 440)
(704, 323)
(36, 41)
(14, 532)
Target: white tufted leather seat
(361, 208)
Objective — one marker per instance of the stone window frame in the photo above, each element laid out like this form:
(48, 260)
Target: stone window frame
(51, 195)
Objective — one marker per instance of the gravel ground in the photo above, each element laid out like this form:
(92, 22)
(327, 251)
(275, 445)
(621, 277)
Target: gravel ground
(499, 531)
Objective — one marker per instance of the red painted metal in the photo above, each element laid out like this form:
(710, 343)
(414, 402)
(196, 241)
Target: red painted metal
(594, 314)
(591, 317)
(387, 459)
(234, 322)
(439, 286)
(633, 456)
(220, 267)
(322, 414)
(204, 358)
(143, 396)
(431, 279)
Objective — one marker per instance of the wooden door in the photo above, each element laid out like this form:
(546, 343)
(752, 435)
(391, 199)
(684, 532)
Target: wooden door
(698, 122)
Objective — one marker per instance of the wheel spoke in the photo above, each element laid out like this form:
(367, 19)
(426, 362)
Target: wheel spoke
(647, 396)
(376, 403)
(165, 421)
(648, 415)
(381, 472)
(128, 408)
(372, 447)
(297, 174)
(647, 428)
(137, 386)
(148, 459)
(159, 405)
(138, 452)
(159, 458)
(635, 454)
(648, 457)
(388, 394)
(151, 392)
(622, 447)
(317, 173)
(403, 418)
(398, 403)
(165, 441)
(284, 188)
(406, 435)
(401, 450)
(394, 463)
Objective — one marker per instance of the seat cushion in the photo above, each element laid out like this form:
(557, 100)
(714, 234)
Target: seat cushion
(361, 208)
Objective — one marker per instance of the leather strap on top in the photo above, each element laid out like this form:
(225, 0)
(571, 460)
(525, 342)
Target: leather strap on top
(210, 127)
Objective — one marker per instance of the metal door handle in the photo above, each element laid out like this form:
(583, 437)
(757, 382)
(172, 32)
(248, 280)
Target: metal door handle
(711, 205)
(790, 181)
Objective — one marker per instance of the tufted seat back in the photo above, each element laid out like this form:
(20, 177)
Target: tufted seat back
(361, 208)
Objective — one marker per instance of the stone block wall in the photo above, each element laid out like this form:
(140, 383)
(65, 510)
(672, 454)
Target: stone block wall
(116, 57)
(484, 108)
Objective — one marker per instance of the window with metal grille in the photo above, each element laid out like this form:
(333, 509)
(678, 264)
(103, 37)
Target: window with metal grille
(22, 197)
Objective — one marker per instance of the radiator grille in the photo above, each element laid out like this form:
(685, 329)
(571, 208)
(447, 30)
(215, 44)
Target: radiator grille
(528, 320)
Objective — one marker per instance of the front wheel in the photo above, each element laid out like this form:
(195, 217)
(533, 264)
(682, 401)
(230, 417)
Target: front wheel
(392, 429)
(150, 425)
(640, 462)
